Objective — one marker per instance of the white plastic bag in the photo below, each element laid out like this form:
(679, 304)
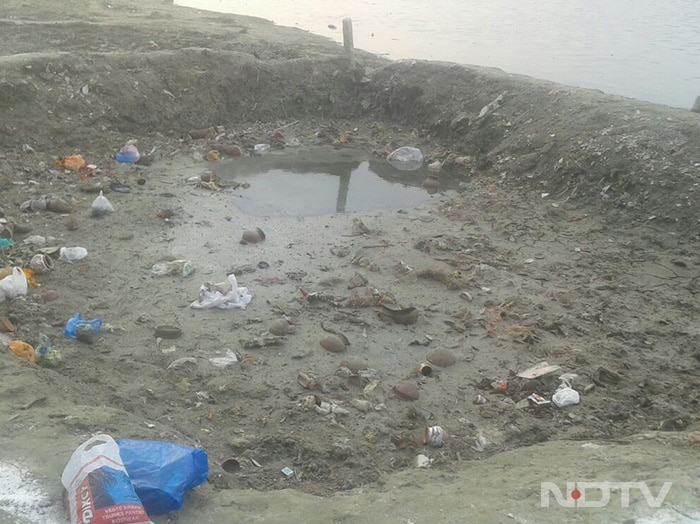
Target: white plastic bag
(565, 395)
(225, 295)
(406, 158)
(101, 206)
(13, 285)
(98, 487)
(72, 254)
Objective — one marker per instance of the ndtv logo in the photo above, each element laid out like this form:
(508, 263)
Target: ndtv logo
(597, 494)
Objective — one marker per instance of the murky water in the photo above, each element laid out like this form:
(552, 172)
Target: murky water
(320, 182)
(643, 49)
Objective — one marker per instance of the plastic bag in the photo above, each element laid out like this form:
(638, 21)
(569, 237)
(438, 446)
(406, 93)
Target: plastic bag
(77, 320)
(181, 267)
(565, 395)
(13, 285)
(225, 295)
(406, 158)
(128, 154)
(72, 254)
(98, 487)
(161, 472)
(101, 206)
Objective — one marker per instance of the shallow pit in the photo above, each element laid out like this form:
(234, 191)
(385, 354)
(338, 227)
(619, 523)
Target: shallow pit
(321, 181)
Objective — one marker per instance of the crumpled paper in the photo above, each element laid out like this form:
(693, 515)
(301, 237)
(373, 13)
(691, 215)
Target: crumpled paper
(224, 295)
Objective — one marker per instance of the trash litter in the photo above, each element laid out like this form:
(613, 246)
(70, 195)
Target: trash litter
(101, 206)
(14, 285)
(538, 370)
(182, 268)
(161, 472)
(422, 461)
(41, 264)
(6, 242)
(287, 472)
(72, 254)
(224, 295)
(565, 395)
(261, 149)
(406, 158)
(224, 362)
(435, 436)
(22, 350)
(46, 354)
(538, 400)
(328, 408)
(128, 154)
(98, 487)
(71, 163)
(76, 321)
(425, 369)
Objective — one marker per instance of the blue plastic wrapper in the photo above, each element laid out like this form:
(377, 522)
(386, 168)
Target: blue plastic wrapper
(77, 320)
(162, 472)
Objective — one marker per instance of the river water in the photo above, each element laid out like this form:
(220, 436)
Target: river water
(644, 49)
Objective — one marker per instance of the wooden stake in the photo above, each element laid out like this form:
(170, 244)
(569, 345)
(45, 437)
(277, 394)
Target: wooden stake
(348, 42)
(696, 105)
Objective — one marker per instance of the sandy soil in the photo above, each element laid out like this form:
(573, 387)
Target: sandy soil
(571, 237)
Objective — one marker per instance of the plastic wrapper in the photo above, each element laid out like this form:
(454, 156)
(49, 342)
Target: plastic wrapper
(406, 158)
(161, 472)
(224, 295)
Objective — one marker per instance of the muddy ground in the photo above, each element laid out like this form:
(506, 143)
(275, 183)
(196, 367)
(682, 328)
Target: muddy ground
(569, 235)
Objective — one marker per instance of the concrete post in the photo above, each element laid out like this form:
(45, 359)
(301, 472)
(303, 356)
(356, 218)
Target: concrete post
(348, 42)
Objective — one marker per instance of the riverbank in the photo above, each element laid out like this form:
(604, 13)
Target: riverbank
(570, 237)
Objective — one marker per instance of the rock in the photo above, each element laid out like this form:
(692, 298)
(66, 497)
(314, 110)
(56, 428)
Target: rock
(333, 343)
(443, 358)
(282, 327)
(354, 364)
(252, 236)
(406, 391)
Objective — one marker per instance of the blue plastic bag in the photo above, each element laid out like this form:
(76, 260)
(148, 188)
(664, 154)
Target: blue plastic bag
(161, 472)
(77, 320)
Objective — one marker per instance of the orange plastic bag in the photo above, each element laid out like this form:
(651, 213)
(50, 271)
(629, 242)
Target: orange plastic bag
(29, 274)
(72, 162)
(23, 350)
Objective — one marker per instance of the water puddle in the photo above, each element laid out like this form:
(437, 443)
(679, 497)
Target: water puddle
(320, 182)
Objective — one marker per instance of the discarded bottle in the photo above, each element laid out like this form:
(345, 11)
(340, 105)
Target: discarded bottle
(72, 254)
(71, 329)
(182, 268)
(406, 158)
